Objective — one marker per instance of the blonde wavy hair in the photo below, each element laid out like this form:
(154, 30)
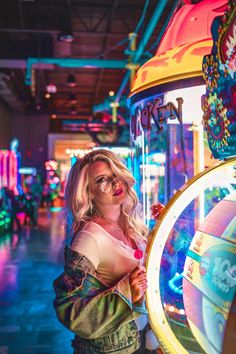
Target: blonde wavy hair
(79, 201)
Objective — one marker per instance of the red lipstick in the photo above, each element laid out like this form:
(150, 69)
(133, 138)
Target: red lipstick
(118, 192)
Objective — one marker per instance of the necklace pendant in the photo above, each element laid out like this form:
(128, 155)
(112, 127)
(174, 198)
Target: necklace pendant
(138, 254)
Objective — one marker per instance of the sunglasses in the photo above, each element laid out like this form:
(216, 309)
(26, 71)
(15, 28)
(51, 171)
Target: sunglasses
(106, 184)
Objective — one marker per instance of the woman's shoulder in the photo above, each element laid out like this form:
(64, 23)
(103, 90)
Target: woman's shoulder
(92, 227)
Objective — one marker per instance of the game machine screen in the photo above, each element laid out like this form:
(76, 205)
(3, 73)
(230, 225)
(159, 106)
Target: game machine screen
(191, 265)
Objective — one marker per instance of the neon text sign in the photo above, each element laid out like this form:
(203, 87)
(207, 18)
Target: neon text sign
(157, 111)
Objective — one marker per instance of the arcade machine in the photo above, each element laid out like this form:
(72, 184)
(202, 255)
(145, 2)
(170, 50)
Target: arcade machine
(27, 174)
(52, 184)
(166, 106)
(191, 267)
(8, 170)
(191, 255)
(8, 182)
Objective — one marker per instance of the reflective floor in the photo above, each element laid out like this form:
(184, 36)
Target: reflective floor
(29, 261)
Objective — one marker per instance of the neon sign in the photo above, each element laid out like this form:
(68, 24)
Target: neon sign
(157, 111)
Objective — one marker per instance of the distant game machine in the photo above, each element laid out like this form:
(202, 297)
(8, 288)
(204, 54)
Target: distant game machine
(51, 187)
(8, 170)
(9, 180)
(27, 174)
(191, 255)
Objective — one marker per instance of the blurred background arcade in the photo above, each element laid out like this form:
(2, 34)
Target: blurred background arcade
(155, 82)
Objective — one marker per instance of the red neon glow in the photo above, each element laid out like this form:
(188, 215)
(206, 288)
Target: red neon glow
(191, 23)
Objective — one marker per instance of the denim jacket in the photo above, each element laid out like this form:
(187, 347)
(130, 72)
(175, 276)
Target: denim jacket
(101, 316)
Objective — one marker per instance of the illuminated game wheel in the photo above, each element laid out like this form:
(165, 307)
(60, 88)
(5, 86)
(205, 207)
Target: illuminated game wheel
(191, 265)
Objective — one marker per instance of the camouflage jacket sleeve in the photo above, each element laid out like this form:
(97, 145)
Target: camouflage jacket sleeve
(86, 305)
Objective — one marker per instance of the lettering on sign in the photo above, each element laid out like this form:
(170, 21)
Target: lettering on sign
(158, 112)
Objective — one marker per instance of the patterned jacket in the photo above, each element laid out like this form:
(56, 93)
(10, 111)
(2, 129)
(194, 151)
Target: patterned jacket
(101, 316)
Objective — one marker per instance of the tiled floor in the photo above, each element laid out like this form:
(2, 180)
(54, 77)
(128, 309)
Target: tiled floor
(29, 261)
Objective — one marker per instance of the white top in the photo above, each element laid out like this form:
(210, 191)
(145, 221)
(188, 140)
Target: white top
(112, 258)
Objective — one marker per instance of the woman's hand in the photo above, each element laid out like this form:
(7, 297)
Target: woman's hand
(138, 284)
(157, 209)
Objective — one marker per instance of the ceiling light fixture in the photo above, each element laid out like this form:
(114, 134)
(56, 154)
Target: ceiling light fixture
(72, 98)
(73, 110)
(71, 81)
(51, 88)
(38, 106)
(66, 35)
(47, 95)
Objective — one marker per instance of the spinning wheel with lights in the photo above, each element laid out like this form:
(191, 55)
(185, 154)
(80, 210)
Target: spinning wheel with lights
(191, 265)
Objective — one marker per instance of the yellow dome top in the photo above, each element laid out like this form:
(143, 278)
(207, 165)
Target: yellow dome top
(175, 64)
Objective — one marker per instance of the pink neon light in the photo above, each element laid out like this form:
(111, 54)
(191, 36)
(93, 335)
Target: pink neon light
(15, 170)
(8, 169)
(12, 170)
(1, 173)
(4, 175)
(191, 23)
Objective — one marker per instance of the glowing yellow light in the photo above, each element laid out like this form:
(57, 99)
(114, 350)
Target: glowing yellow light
(77, 152)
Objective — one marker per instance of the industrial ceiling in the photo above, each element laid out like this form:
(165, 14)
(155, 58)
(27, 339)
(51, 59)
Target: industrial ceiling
(74, 60)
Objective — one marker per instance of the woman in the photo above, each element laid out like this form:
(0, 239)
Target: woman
(100, 295)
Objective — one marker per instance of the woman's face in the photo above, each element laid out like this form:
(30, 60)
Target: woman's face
(105, 187)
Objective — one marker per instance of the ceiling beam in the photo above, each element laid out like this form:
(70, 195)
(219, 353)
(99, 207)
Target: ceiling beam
(73, 63)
